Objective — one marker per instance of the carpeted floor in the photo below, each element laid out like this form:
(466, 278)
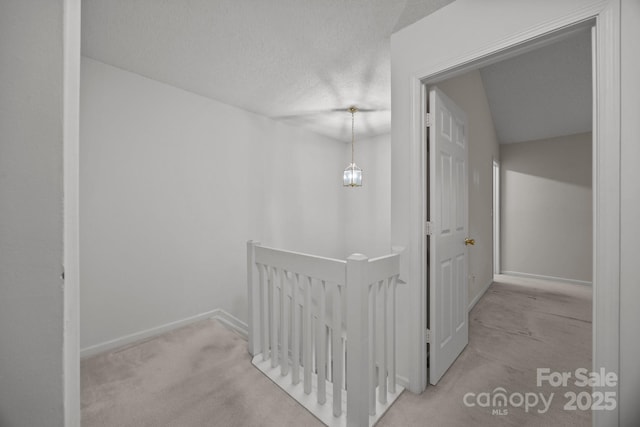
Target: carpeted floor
(201, 375)
(518, 325)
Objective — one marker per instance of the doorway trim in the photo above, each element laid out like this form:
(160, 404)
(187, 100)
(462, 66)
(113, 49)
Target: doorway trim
(605, 15)
(495, 216)
(71, 215)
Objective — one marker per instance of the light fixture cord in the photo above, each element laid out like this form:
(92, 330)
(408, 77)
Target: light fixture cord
(352, 137)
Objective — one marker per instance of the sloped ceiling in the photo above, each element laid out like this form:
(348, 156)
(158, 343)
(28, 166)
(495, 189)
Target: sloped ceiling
(298, 61)
(544, 93)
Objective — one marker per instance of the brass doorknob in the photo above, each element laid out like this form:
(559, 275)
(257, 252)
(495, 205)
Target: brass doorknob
(468, 241)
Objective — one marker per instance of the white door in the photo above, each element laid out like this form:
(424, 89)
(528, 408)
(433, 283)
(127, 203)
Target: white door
(448, 214)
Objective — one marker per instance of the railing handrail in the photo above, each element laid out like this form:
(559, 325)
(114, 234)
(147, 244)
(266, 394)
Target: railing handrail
(384, 257)
(324, 268)
(302, 254)
(317, 267)
(383, 267)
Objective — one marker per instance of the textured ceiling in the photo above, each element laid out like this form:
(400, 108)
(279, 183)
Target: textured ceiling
(296, 61)
(542, 94)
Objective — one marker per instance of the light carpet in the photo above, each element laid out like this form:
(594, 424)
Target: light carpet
(201, 375)
(517, 326)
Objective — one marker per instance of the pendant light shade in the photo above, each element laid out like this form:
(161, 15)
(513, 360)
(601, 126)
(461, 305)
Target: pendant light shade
(352, 176)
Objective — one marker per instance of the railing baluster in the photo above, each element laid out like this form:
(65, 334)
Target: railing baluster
(272, 318)
(307, 339)
(344, 362)
(321, 339)
(391, 327)
(338, 353)
(284, 324)
(372, 348)
(392, 334)
(295, 329)
(382, 331)
(254, 292)
(264, 311)
(328, 352)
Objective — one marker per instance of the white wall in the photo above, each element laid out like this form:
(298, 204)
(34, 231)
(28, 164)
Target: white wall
(546, 208)
(172, 187)
(468, 92)
(367, 209)
(31, 220)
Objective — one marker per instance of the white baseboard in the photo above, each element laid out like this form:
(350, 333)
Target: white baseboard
(232, 322)
(219, 314)
(475, 300)
(541, 277)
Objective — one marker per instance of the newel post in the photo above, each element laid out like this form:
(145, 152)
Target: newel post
(358, 341)
(254, 299)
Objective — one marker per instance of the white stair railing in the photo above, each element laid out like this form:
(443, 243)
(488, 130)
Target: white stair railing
(299, 306)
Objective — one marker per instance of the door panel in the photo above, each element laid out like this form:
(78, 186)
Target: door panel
(448, 287)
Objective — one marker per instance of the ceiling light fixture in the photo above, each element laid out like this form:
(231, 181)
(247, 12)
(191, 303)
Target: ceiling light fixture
(352, 176)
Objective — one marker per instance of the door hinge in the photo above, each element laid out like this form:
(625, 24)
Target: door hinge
(428, 228)
(427, 336)
(427, 120)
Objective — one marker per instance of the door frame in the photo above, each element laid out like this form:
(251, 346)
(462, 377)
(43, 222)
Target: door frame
(495, 216)
(605, 16)
(71, 215)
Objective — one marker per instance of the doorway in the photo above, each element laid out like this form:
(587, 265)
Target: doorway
(490, 175)
(548, 169)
